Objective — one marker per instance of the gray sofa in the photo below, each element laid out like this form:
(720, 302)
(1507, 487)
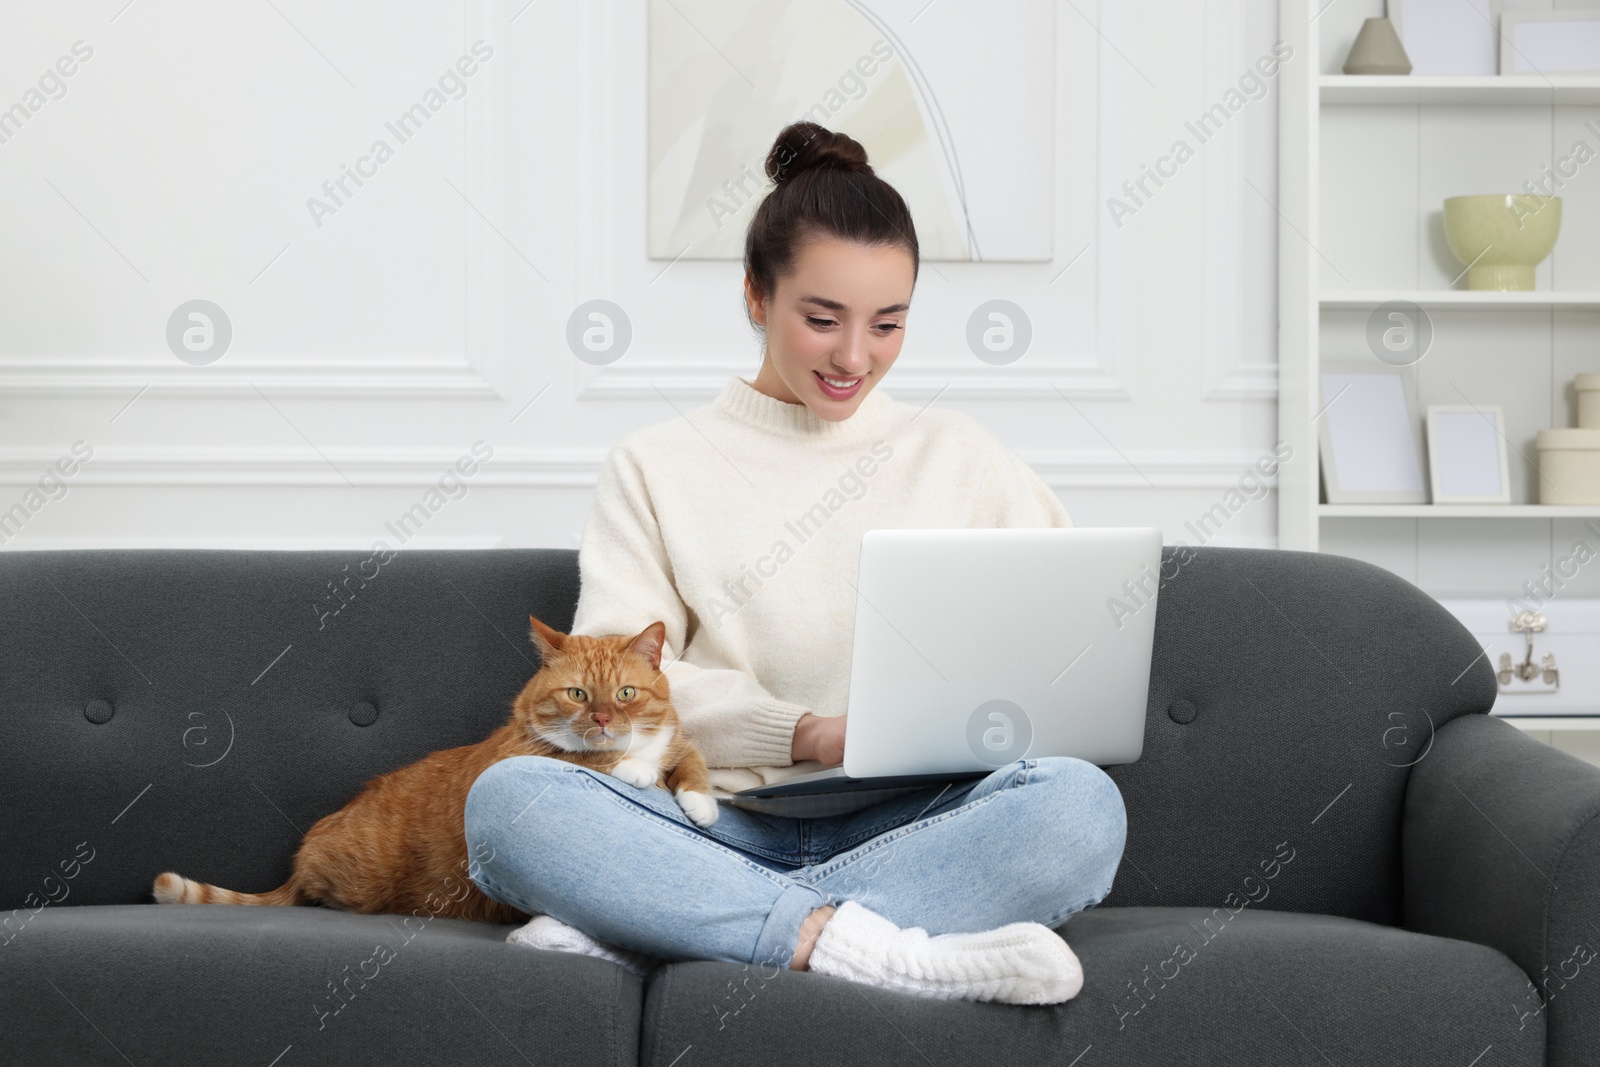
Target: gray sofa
(1334, 855)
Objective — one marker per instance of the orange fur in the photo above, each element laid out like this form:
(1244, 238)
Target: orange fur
(400, 845)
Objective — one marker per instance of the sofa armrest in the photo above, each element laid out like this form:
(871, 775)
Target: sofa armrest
(1500, 845)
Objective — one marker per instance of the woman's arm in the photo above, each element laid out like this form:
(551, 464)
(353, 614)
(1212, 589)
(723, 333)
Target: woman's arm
(627, 585)
(1022, 497)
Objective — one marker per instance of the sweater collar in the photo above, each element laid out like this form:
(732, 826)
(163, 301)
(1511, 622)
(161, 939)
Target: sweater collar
(743, 401)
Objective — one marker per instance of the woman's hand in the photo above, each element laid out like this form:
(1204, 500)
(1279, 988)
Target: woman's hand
(819, 737)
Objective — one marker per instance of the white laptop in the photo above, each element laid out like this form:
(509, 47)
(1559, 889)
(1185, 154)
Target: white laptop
(977, 648)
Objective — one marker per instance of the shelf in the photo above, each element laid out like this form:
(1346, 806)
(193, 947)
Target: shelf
(1553, 722)
(1522, 90)
(1462, 299)
(1458, 511)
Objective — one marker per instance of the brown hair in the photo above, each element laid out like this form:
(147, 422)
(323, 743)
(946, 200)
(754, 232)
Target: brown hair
(823, 187)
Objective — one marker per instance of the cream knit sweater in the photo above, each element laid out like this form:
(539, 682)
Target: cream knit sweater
(739, 525)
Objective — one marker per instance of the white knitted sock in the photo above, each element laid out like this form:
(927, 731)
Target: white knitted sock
(553, 935)
(1021, 963)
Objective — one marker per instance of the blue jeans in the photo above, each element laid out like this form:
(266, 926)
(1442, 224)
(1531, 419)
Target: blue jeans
(1035, 840)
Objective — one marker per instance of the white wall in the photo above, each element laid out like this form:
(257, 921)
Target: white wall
(372, 350)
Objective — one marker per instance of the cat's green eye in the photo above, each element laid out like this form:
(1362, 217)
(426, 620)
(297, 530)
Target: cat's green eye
(626, 692)
(577, 694)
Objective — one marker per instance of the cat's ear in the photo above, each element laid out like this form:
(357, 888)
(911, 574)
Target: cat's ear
(649, 642)
(546, 640)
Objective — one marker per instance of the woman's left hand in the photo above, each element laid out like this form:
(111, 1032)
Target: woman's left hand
(818, 737)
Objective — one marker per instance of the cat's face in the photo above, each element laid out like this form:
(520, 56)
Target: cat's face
(595, 694)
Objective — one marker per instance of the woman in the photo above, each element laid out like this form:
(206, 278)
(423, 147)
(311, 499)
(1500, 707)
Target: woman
(740, 526)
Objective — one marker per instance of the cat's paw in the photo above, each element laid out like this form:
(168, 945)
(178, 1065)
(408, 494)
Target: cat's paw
(700, 807)
(636, 772)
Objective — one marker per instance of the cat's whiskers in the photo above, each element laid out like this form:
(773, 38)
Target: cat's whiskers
(563, 738)
(568, 739)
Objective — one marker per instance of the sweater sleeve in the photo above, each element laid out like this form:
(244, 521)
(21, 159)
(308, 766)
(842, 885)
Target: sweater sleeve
(627, 583)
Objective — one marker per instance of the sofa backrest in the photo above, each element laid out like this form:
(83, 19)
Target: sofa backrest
(1290, 694)
(198, 710)
(241, 707)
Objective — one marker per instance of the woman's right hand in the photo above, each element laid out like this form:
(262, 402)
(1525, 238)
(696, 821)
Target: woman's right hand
(819, 737)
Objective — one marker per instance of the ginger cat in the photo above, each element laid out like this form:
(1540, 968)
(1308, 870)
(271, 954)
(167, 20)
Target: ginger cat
(599, 702)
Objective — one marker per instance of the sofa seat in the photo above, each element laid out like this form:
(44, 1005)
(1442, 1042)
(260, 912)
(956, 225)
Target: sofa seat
(1267, 987)
(1163, 985)
(230, 983)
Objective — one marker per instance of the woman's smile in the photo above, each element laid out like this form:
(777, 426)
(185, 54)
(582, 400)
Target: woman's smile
(838, 388)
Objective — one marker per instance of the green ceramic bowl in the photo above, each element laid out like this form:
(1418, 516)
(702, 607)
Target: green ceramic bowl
(1501, 238)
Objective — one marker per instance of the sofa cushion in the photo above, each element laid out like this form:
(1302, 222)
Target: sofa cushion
(228, 983)
(1246, 987)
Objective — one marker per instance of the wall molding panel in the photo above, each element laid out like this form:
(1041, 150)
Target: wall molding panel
(433, 309)
(539, 468)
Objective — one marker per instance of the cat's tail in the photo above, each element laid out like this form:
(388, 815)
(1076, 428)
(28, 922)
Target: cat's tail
(172, 888)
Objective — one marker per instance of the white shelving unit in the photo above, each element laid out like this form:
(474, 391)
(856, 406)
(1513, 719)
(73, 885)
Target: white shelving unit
(1365, 164)
(1458, 511)
(1458, 299)
(1535, 723)
(1517, 90)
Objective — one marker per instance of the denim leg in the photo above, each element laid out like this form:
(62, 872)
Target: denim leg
(625, 865)
(1035, 841)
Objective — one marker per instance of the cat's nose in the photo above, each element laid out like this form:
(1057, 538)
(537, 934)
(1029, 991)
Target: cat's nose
(602, 718)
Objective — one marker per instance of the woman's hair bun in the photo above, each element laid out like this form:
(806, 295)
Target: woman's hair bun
(806, 146)
(822, 187)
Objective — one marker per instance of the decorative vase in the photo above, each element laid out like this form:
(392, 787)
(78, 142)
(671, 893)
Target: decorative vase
(1502, 237)
(1377, 50)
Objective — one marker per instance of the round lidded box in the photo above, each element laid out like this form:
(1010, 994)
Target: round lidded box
(1588, 389)
(1569, 464)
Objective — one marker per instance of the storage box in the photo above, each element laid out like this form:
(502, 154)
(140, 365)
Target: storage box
(1588, 389)
(1569, 465)
(1572, 633)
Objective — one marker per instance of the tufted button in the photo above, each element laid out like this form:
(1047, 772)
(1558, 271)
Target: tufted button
(1181, 711)
(363, 713)
(98, 711)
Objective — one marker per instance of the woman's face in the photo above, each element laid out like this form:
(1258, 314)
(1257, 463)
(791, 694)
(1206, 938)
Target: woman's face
(839, 315)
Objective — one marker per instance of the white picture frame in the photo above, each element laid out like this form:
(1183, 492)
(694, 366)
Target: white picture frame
(1370, 435)
(957, 113)
(1467, 461)
(1562, 41)
(1447, 37)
